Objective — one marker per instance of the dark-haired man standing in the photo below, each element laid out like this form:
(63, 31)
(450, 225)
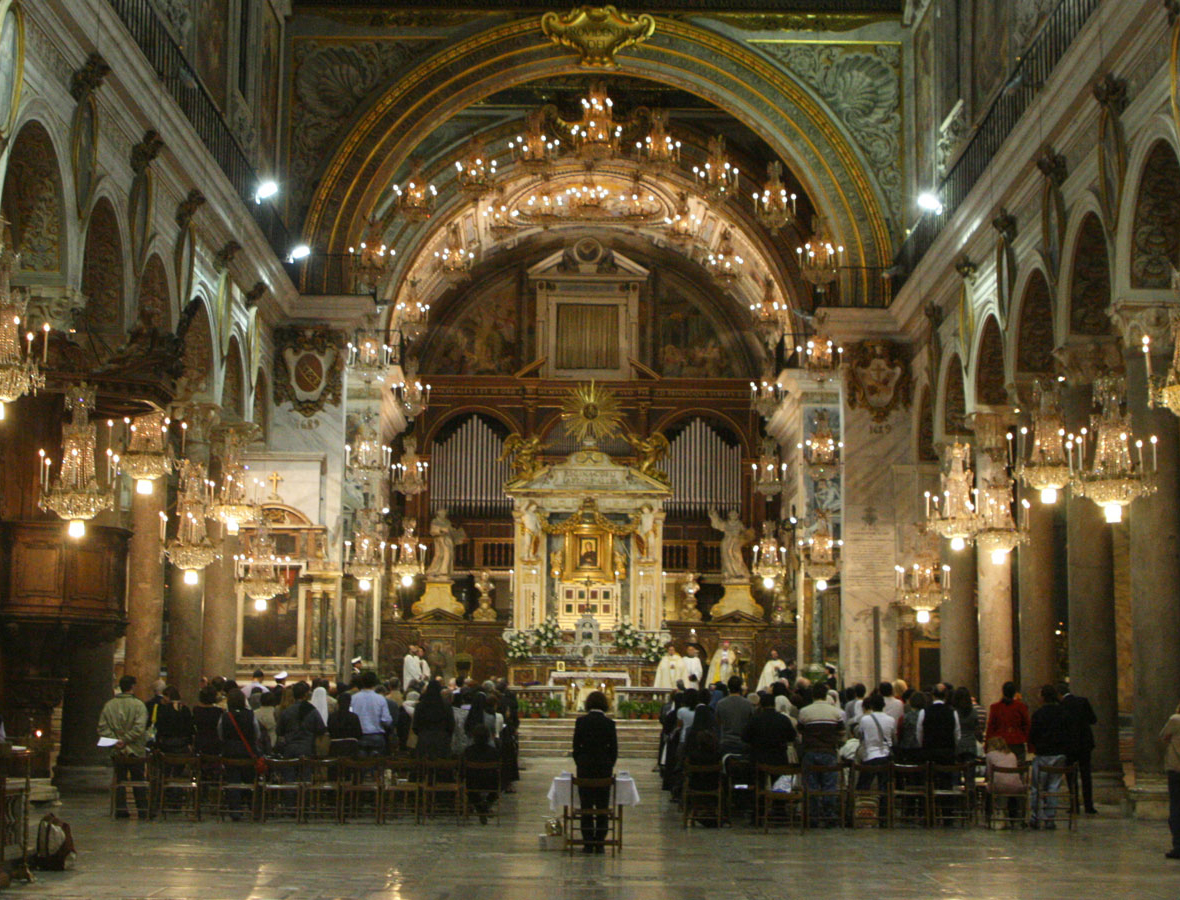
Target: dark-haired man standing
(124, 720)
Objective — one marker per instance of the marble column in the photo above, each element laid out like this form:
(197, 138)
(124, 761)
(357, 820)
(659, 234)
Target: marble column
(219, 631)
(82, 764)
(959, 626)
(1038, 618)
(994, 603)
(145, 589)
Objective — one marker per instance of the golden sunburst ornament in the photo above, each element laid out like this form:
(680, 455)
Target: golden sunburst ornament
(591, 413)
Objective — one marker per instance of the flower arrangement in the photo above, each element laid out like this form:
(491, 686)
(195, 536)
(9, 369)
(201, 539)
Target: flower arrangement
(520, 644)
(548, 634)
(653, 648)
(628, 637)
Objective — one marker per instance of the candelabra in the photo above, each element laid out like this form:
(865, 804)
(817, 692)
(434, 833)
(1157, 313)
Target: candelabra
(775, 207)
(258, 569)
(366, 459)
(369, 265)
(716, 178)
(923, 586)
(534, 149)
(19, 372)
(415, 201)
(476, 171)
(191, 550)
(998, 532)
(409, 313)
(412, 394)
(454, 260)
(955, 517)
(233, 508)
(822, 450)
(365, 553)
(500, 218)
(409, 473)
(409, 556)
(149, 456)
(369, 358)
(682, 226)
(658, 152)
(770, 560)
(1046, 469)
(596, 136)
(1112, 477)
(821, 357)
(1165, 390)
(766, 395)
(724, 263)
(819, 553)
(819, 258)
(75, 495)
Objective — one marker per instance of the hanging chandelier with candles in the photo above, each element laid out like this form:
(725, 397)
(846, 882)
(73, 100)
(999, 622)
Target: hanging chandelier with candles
(410, 471)
(952, 514)
(1165, 390)
(148, 457)
(19, 371)
(596, 135)
(923, 585)
(410, 313)
(775, 206)
(770, 559)
(500, 216)
(369, 357)
(366, 459)
(820, 257)
(658, 152)
(258, 568)
(412, 394)
(1045, 468)
(476, 170)
(233, 508)
(819, 553)
(771, 314)
(999, 533)
(770, 472)
(365, 553)
(682, 225)
(821, 450)
(1106, 462)
(724, 263)
(415, 199)
(408, 555)
(821, 356)
(75, 495)
(766, 395)
(535, 149)
(191, 550)
(454, 260)
(369, 264)
(716, 178)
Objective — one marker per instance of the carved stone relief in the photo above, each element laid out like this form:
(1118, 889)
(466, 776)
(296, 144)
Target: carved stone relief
(1156, 232)
(1089, 286)
(862, 85)
(308, 364)
(1034, 350)
(878, 377)
(102, 270)
(32, 200)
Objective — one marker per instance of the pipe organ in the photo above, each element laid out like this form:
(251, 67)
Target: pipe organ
(466, 475)
(705, 467)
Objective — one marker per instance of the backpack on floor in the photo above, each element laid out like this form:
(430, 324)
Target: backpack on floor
(55, 845)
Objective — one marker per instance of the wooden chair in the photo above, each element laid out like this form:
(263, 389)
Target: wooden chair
(911, 795)
(482, 778)
(358, 779)
(321, 789)
(178, 775)
(952, 792)
(400, 787)
(572, 815)
(440, 778)
(281, 790)
(872, 805)
(767, 801)
(145, 783)
(996, 804)
(838, 793)
(741, 783)
(228, 789)
(703, 803)
(1067, 790)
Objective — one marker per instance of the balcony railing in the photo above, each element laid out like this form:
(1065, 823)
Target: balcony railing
(1030, 74)
(181, 82)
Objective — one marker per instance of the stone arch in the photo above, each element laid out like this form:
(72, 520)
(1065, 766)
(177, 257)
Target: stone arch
(954, 398)
(1089, 279)
(451, 419)
(1155, 228)
(103, 269)
(154, 301)
(34, 205)
(1034, 326)
(197, 360)
(232, 388)
(989, 366)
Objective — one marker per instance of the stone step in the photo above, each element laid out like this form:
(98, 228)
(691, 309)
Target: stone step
(638, 738)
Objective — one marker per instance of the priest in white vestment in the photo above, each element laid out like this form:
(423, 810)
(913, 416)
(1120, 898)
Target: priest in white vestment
(723, 665)
(411, 668)
(670, 670)
(770, 671)
(691, 666)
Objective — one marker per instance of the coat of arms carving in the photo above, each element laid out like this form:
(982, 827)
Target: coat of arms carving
(879, 378)
(597, 33)
(308, 366)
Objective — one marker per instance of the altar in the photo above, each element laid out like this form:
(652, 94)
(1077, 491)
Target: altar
(580, 684)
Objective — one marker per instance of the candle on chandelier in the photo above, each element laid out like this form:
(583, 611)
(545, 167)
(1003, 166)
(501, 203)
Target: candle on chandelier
(347, 455)
(163, 525)
(29, 348)
(45, 344)
(1154, 461)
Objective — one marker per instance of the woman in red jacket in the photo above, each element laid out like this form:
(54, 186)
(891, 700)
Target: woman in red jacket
(1008, 718)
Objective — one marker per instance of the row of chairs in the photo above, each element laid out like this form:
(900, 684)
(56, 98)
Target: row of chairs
(920, 794)
(378, 788)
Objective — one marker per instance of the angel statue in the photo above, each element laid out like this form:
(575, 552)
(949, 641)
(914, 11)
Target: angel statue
(736, 536)
(648, 453)
(531, 526)
(525, 453)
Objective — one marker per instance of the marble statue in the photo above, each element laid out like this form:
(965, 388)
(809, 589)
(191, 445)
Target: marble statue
(736, 536)
(446, 536)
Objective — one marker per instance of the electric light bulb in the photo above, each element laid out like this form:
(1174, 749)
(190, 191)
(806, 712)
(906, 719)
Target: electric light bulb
(768, 582)
(1049, 495)
(1113, 512)
(998, 556)
(231, 527)
(958, 544)
(407, 581)
(143, 486)
(923, 616)
(260, 604)
(821, 585)
(364, 584)
(76, 528)
(190, 576)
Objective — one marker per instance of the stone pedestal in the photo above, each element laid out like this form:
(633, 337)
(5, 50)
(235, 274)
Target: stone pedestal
(219, 632)
(736, 599)
(145, 590)
(958, 631)
(82, 765)
(1038, 620)
(437, 596)
(182, 652)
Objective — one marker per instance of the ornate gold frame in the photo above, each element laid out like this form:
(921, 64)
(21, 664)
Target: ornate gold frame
(576, 541)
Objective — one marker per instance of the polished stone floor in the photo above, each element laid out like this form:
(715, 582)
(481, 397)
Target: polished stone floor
(1108, 858)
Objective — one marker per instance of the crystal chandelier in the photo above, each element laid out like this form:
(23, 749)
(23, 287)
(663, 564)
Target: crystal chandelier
(819, 553)
(365, 553)
(409, 314)
(409, 473)
(821, 356)
(409, 556)
(1113, 477)
(1166, 390)
(366, 459)
(596, 135)
(1046, 468)
(770, 560)
(19, 372)
(998, 533)
(454, 260)
(258, 571)
(587, 200)
(954, 518)
(682, 226)
(369, 265)
(191, 550)
(819, 258)
(821, 450)
(369, 357)
(233, 508)
(149, 455)
(635, 205)
(724, 263)
(770, 313)
(770, 471)
(716, 178)
(658, 152)
(534, 149)
(415, 201)
(775, 207)
(544, 207)
(477, 170)
(766, 395)
(74, 495)
(923, 586)
(500, 218)
(412, 394)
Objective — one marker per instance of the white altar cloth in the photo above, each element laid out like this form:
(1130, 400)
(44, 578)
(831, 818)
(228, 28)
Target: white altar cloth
(626, 794)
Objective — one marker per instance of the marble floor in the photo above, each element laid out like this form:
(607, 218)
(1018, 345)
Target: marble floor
(1105, 858)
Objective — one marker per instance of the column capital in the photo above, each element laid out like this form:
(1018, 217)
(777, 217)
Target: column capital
(1136, 318)
(1081, 361)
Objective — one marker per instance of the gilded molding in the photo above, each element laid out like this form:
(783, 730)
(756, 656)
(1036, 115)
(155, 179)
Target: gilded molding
(596, 34)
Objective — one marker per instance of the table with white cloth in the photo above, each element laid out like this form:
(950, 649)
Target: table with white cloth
(561, 794)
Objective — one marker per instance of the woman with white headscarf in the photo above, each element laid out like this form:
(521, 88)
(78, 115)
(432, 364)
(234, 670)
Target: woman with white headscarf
(319, 699)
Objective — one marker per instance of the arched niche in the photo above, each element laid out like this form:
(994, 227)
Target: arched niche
(102, 270)
(1089, 280)
(1155, 236)
(233, 400)
(954, 419)
(1034, 333)
(989, 368)
(34, 206)
(154, 301)
(198, 373)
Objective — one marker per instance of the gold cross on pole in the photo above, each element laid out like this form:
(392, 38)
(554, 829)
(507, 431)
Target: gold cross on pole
(275, 480)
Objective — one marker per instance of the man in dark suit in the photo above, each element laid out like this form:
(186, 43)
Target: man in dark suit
(1081, 718)
(596, 749)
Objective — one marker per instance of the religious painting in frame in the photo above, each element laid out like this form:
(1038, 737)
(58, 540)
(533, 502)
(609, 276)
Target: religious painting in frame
(12, 64)
(589, 554)
(84, 152)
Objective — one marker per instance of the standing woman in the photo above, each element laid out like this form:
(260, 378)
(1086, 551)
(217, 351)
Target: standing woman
(967, 748)
(239, 733)
(596, 749)
(434, 723)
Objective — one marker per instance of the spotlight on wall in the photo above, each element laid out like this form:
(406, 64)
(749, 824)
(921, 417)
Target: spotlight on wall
(298, 252)
(928, 202)
(266, 190)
